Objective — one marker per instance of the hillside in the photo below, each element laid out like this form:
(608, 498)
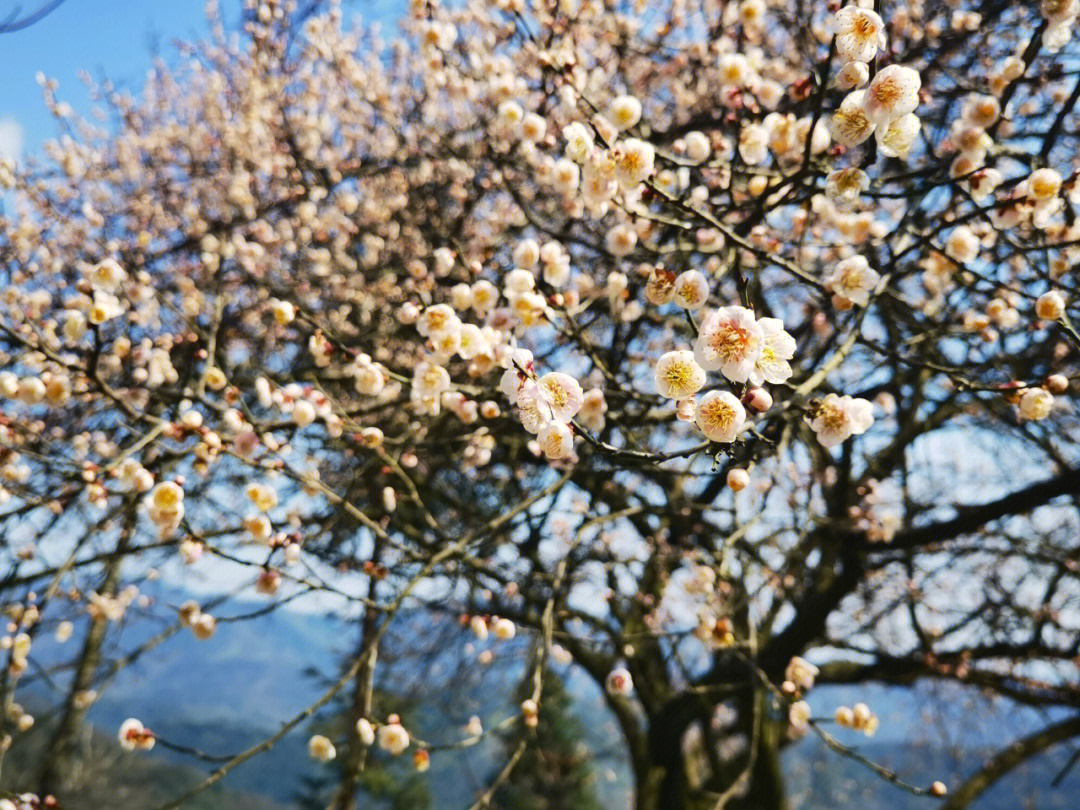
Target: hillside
(223, 695)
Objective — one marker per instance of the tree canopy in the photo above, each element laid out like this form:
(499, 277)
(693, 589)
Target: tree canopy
(717, 348)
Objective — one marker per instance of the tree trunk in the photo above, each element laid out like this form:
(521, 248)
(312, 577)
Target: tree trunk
(356, 753)
(60, 756)
(736, 767)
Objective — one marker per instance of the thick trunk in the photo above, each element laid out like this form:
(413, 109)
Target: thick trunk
(61, 756)
(356, 753)
(736, 767)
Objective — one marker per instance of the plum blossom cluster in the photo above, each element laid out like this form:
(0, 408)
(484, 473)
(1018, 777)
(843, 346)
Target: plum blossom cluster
(746, 350)
(27, 801)
(858, 717)
(799, 678)
(885, 107)
(1061, 17)
(391, 737)
(546, 404)
(319, 297)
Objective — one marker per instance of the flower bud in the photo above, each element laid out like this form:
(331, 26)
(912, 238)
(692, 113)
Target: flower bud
(758, 399)
(738, 479)
(1057, 383)
(1050, 306)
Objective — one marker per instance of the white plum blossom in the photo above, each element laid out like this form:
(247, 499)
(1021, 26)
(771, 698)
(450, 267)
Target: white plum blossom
(691, 290)
(283, 312)
(839, 417)
(896, 138)
(860, 33)
(852, 75)
(393, 737)
(734, 69)
(619, 682)
(556, 440)
(134, 736)
(799, 715)
(105, 307)
(698, 147)
(846, 185)
(962, 245)
(165, 505)
(593, 408)
(437, 320)
(365, 732)
(579, 141)
(633, 161)
(321, 749)
(533, 127)
(730, 341)
(1044, 184)
(625, 112)
(621, 240)
(1036, 403)
(754, 144)
(720, 416)
(107, 275)
(561, 395)
(430, 379)
(892, 93)
(510, 114)
(1050, 306)
(777, 348)
(850, 125)
(801, 673)
(526, 253)
(532, 411)
(853, 279)
(503, 629)
(678, 376)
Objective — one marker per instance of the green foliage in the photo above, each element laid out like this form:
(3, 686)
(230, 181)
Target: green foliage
(396, 788)
(556, 770)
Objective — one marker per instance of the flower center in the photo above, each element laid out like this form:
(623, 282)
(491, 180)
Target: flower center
(864, 27)
(678, 376)
(887, 93)
(689, 293)
(730, 342)
(554, 443)
(717, 415)
(557, 395)
(833, 418)
(853, 123)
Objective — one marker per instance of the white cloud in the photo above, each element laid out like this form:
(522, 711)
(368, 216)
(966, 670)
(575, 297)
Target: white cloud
(11, 138)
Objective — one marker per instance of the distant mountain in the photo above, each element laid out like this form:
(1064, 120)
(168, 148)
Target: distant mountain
(109, 777)
(230, 692)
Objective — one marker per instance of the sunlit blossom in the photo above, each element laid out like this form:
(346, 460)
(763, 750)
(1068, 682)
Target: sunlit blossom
(853, 279)
(777, 349)
(720, 416)
(860, 33)
(678, 375)
(850, 125)
(839, 417)
(730, 340)
(892, 93)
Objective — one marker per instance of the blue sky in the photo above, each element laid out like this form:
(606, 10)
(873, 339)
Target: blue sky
(117, 39)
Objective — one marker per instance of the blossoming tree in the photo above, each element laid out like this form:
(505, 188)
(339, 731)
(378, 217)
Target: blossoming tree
(695, 341)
